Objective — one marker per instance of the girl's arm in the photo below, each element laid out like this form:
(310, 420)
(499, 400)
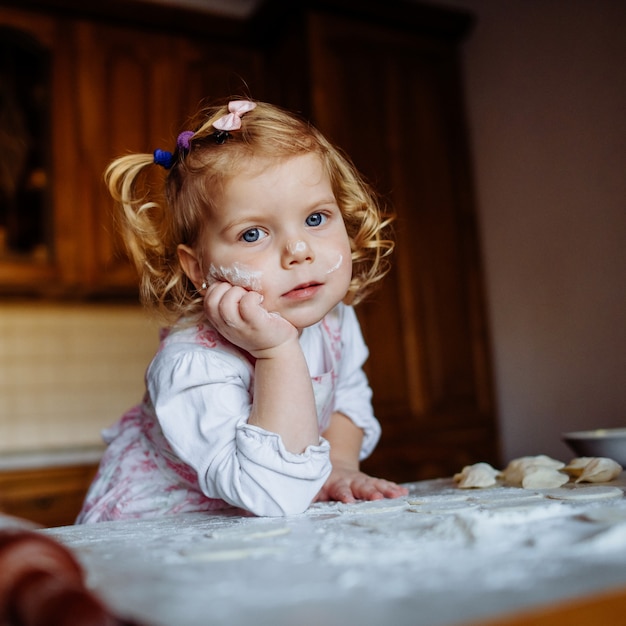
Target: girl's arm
(283, 395)
(200, 388)
(346, 482)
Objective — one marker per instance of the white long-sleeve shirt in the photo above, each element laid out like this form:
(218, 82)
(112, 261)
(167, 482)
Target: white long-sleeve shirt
(191, 443)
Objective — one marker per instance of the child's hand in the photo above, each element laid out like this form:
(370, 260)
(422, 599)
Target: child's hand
(348, 485)
(238, 315)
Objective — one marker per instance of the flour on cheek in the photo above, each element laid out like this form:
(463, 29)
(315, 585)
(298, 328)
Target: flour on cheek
(237, 275)
(337, 265)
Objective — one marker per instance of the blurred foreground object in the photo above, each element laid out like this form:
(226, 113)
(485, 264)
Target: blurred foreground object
(42, 584)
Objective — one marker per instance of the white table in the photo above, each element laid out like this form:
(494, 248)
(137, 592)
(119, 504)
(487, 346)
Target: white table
(439, 556)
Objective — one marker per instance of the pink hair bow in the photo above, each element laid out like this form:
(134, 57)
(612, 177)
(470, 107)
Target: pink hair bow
(232, 120)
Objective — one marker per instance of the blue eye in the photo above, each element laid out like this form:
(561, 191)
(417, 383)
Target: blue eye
(315, 219)
(253, 235)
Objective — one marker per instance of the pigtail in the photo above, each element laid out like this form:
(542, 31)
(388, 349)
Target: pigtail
(142, 222)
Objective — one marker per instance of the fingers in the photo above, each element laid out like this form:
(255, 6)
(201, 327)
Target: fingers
(343, 493)
(361, 487)
(386, 489)
(231, 305)
(238, 315)
(250, 305)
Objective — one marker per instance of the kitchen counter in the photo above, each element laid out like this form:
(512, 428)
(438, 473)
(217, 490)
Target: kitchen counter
(439, 556)
(44, 459)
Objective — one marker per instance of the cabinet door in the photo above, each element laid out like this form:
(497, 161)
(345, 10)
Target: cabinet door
(35, 78)
(392, 100)
(113, 90)
(135, 92)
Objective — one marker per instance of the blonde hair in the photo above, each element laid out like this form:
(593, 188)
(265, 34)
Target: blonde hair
(156, 216)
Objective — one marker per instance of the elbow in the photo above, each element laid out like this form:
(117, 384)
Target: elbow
(273, 495)
(281, 507)
(267, 480)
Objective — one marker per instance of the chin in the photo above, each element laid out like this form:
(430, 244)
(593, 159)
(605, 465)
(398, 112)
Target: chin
(303, 319)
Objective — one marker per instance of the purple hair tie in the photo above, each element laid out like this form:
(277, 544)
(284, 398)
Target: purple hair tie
(166, 159)
(183, 140)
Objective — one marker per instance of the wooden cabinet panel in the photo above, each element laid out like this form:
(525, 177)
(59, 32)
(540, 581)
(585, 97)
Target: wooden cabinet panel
(114, 90)
(47, 265)
(392, 99)
(135, 93)
(50, 497)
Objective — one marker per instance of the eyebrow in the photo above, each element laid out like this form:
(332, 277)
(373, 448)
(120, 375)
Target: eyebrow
(238, 222)
(252, 219)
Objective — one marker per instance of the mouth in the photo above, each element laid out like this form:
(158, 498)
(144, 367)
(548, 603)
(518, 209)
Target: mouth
(303, 291)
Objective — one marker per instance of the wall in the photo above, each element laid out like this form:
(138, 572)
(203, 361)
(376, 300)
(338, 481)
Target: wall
(546, 97)
(67, 371)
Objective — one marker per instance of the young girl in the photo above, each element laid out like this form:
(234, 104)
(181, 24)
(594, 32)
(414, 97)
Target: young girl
(256, 398)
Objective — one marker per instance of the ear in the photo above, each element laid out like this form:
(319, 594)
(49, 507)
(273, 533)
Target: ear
(191, 265)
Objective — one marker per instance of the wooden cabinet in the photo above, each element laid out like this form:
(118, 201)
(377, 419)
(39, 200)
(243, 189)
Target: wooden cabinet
(48, 496)
(113, 90)
(133, 95)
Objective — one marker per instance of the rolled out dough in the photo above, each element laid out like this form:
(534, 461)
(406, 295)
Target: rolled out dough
(584, 493)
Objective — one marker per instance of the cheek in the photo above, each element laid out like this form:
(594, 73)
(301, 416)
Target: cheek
(339, 262)
(237, 274)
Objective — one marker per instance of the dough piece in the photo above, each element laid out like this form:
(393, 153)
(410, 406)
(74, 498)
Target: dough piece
(585, 493)
(373, 506)
(517, 469)
(576, 466)
(249, 532)
(231, 554)
(477, 476)
(593, 469)
(543, 478)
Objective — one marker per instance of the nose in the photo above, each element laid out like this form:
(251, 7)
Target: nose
(296, 252)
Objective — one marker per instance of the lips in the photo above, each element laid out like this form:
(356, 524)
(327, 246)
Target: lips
(304, 291)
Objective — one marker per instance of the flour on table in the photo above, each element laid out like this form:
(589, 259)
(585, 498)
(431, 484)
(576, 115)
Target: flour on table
(372, 506)
(611, 538)
(231, 554)
(445, 504)
(605, 515)
(228, 543)
(443, 508)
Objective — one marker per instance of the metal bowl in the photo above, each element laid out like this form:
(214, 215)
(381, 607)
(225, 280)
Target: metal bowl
(606, 442)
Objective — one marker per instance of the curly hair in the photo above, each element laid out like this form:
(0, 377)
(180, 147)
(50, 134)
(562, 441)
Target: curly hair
(156, 216)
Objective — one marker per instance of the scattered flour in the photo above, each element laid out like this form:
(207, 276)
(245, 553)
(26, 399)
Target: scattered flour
(428, 559)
